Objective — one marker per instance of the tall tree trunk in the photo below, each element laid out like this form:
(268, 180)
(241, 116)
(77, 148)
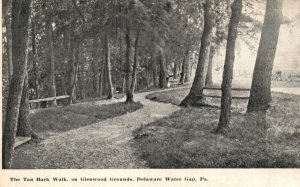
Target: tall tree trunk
(135, 60)
(101, 81)
(24, 127)
(51, 90)
(110, 90)
(81, 80)
(195, 94)
(260, 94)
(224, 119)
(208, 80)
(34, 62)
(76, 50)
(175, 70)
(183, 70)
(154, 71)
(20, 19)
(129, 94)
(162, 72)
(95, 69)
(187, 68)
(9, 46)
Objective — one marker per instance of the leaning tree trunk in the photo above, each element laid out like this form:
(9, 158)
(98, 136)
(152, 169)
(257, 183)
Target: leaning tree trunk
(135, 61)
(195, 94)
(20, 19)
(24, 127)
(162, 72)
(260, 94)
(129, 94)
(110, 90)
(224, 119)
(50, 61)
(208, 80)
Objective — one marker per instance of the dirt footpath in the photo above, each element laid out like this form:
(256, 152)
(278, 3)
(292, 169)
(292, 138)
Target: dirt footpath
(102, 145)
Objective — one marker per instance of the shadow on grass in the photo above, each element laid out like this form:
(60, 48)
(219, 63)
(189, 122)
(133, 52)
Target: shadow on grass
(184, 140)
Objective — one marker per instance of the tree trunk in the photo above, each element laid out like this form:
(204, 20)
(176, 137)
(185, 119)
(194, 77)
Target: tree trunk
(187, 68)
(195, 94)
(135, 61)
(175, 70)
(162, 72)
(24, 127)
(208, 80)
(71, 60)
(260, 94)
(51, 90)
(20, 19)
(34, 62)
(95, 69)
(154, 70)
(129, 94)
(224, 119)
(81, 83)
(76, 51)
(110, 90)
(101, 81)
(183, 70)
(9, 46)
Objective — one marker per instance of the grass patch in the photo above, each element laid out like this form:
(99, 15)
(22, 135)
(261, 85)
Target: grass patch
(184, 140)
(62, 119)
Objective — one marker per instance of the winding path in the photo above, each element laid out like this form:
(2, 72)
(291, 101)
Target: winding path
(101, 145)
(105, 144)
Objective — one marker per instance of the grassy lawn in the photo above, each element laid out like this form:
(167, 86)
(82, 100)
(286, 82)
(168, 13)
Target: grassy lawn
(60, 119)
(184, 140)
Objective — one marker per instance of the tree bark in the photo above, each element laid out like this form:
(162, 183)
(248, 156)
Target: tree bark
(9, 46)
(135, 61)
(175, 70)
(195, 94)
(187, 68)
(129, 94)
(154, 71)
(95, 69)
(260, 94)
(110, 90)
(224, 119)
(208, 80)
(20, 19)
(162, 72)
(51, 89)
(24, 127)
(75, 66)
(34, 62)
(183, 70)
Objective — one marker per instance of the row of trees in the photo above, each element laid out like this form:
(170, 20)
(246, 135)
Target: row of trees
(96, 48)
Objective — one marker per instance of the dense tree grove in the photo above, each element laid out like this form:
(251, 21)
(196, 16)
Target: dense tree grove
(98, 48)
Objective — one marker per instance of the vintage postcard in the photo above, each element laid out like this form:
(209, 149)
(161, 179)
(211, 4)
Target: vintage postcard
(150, 93)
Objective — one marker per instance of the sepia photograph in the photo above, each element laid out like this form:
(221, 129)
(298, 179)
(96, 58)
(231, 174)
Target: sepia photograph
(149, 84)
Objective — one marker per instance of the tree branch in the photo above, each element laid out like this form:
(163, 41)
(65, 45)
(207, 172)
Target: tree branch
(78, 11)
